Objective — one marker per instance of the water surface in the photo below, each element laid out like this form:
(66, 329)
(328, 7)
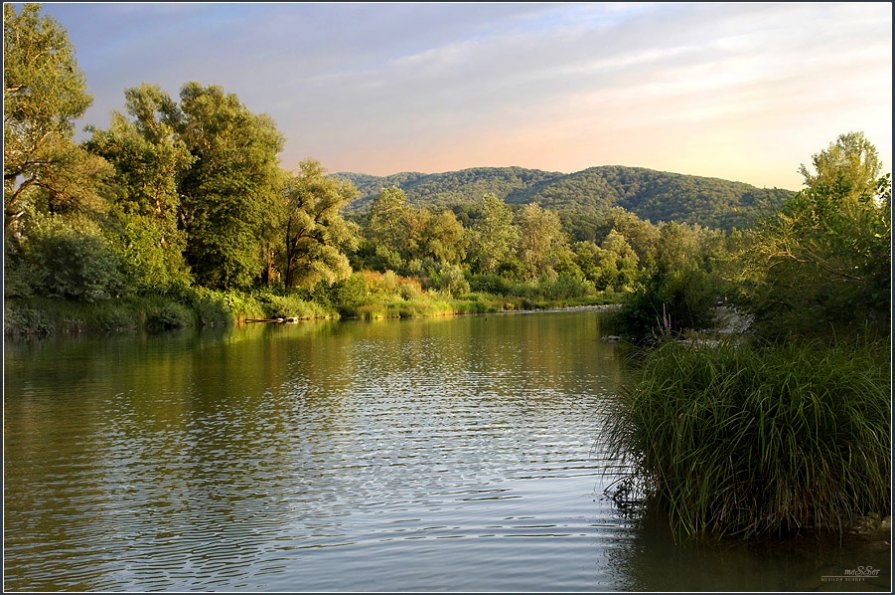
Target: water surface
(442, 454)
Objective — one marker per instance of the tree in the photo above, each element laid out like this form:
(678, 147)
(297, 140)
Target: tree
(314, 232)
(822, 262)
(149, 160)
(618, 262)
(229, 194)
(440, 237)
(494, 237)
(540, 239)
(389, 223)
(848, 167)
(642, 236)
(43, 93)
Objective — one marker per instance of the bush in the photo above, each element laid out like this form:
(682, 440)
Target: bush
(21, 321)
(493, 284)
(162, 314)
(73, 260)
(290, 306)
(668, 302)
(348, 295)
(448, 278)
(566, 287)
(755, 441)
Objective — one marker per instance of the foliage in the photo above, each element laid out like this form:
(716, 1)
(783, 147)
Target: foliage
(72, 259)
(494, 237)
(754, 441)
(541, 240)
(582, 197)
(44, 171)
(823, 262)
(388, 224)
(849, 166)
(149, 161)
(313, 231)
(229, 193)
(682, 289)
(440, 237)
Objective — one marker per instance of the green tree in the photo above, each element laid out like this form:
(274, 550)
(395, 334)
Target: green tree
(822, 262)
(43, 93)
(540, 240)
(389, 225)
(618, 263)
(680, 291)
(314, 232)
(642, 236)
(230, 193)
(149, 160)
(494, 237)
(439, 237)
(848, 167)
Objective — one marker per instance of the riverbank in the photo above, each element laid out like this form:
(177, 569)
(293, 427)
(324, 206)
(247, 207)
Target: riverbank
(199, 308)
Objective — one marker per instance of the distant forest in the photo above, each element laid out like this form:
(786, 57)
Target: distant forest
(582, 198)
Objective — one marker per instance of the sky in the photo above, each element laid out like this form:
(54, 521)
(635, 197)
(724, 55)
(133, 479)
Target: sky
(745, 92)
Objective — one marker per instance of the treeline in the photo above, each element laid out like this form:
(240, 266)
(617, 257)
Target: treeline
(181, 202)
(818, 266)
(183, 197)
(581, 197)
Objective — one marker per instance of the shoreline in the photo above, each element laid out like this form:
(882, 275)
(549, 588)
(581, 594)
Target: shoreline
(71, 319)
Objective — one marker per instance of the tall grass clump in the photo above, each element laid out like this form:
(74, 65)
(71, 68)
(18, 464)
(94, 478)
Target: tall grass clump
(754, 441)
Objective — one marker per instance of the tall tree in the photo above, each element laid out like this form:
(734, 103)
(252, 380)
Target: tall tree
(823, 260)
(43, 93)
(149, 161)
(231, 190)
(445, 238)
(618, 262)
(494, 237)
(313, 230)
(389, 223)
(850, 166)
(540, 240)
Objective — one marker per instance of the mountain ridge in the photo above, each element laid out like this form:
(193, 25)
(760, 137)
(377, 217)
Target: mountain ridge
(650, 194)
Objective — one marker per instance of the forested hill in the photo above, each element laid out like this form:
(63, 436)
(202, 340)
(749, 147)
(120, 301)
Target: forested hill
(653, 195)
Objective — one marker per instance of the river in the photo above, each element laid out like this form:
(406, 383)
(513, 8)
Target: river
(434, 454)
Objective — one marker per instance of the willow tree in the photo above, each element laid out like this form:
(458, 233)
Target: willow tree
(389, 223)
(493, 238)
(540, 240)
(314, 234)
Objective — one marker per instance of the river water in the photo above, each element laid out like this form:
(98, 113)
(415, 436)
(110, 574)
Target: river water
(437, 454)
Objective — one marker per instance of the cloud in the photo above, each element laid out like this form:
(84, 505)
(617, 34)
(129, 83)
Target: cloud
(389, 87)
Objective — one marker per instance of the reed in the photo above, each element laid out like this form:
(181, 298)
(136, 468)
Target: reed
(754, 441)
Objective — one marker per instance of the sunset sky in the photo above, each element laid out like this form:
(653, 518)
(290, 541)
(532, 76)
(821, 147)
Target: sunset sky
(738, 91)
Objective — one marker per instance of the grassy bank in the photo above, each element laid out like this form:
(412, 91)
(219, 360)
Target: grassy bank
(195, 308)
(751, 441)
(366, 295)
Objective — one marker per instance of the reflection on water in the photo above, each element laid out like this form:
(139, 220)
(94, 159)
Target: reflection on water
(453, 454)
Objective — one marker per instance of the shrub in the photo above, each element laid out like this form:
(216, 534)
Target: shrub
(493, 284)
(73, 260)
(163, 314)
(668, 301)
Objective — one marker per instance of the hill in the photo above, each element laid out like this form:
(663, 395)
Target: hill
(650, 194)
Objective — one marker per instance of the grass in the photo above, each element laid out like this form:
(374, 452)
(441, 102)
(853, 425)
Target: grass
(194, 307)
(757, 441)
(368, 295)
